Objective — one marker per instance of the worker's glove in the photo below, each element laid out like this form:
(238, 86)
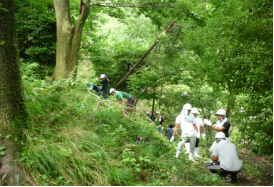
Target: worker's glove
(207, 122)
(172, 139)
(203, 135)
(96, 80)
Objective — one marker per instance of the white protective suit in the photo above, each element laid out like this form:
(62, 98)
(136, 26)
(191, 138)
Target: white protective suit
(187, 122)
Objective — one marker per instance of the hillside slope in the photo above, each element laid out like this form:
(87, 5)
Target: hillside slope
(75, 140)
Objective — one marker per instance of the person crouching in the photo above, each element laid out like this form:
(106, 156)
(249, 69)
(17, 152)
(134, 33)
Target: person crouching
(227, 153)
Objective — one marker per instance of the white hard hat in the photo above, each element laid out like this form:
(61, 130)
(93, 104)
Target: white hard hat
(187, 106)
(220, 112)
(103, 76)
(194, 110)
(157, 112)
(112, 90)
(147, 113)
(220, 135)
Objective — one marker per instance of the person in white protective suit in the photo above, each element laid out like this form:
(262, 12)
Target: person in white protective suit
(189, 131)
(200, 125)
(222, 125)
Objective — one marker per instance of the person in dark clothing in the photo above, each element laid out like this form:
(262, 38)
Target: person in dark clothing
(104, 82)
(159, 120)
(94, 87)
(149, 116)
(169, 132)
(222, 125)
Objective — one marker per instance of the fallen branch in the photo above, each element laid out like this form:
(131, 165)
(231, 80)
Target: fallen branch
(144, 55)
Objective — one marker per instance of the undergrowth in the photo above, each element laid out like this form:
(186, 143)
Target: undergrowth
(75, 140)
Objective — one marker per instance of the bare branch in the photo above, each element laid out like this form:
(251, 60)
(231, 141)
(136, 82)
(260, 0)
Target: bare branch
(116, 5)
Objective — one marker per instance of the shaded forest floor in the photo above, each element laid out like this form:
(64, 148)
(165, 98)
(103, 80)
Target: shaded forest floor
(262, 170)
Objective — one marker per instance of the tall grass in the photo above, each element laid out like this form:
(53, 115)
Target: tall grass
(73, 140)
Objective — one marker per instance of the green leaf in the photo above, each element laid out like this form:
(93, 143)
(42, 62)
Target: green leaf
(2, 148)
(4, 176)
(8, 136)
(2, 153)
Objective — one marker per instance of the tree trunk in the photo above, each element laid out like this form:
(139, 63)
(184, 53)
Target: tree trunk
(68, 38)
(13, 113)
(12, 101)
(153, 106)
(230, 105)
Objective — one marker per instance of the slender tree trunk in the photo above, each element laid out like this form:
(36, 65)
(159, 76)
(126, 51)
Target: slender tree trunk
(13, 113)
(68, 38)
(230, 105)
(84, 11)
(153, 105)
(143, 57)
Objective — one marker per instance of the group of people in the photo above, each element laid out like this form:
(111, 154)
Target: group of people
(104, 92)
(224, 155)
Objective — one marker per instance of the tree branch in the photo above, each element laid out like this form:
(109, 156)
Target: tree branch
(202, 107)
(142, 58)
(116, 5)
(81, 3)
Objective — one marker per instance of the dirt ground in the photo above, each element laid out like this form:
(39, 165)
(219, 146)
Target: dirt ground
(263, 165)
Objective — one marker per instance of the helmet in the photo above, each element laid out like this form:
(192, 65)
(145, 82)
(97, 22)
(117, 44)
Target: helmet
(194, 110)
(157, 112)
(103, 76)
(187, 106)
(112, 90)
(220, 135)
(220, 112)
(147, 113)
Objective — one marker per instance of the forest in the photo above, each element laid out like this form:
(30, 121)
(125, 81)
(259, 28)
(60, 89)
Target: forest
(57, 130)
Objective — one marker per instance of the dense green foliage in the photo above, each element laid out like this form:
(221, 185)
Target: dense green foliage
(230, 53)
(36, 28)
(219, 54)
(234, 52)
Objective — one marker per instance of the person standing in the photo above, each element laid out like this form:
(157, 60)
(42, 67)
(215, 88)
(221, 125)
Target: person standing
(104, 82)
(200, 125)
(227, 153)
(189, 130)
(222, 125)
(159, 120)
